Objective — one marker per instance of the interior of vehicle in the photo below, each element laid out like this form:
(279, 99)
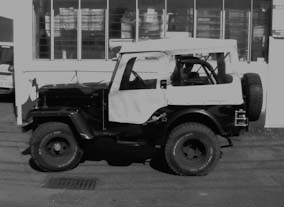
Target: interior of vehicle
(191, 70)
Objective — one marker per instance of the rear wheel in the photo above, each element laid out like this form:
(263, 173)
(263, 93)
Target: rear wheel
(54, 147)
(192, 149)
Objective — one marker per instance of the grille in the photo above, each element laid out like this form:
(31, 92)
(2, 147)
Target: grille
(72, 183)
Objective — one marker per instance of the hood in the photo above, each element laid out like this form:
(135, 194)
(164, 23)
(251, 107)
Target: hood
(85, 88)
(71, 95)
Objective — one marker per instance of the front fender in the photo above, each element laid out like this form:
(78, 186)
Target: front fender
(71, 116)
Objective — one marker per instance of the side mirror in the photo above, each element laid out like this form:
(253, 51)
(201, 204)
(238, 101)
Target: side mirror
(114, 59)
(11, 68)
(163, 84)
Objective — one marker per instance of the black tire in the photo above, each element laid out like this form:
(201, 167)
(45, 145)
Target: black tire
(192, 149)
(54, 147)
(253, 95)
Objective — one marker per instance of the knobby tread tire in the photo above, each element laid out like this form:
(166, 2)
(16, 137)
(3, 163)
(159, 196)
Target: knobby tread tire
(209, 137)
(39, 135)
(253, 91)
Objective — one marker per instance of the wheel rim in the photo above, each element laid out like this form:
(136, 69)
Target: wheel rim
(57, 151)
(193, 150)
(57, 147)
(192, 153)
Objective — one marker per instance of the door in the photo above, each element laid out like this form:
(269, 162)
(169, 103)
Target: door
(136, 93)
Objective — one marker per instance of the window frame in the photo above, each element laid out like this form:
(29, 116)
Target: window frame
(164, 6)
(129, 66)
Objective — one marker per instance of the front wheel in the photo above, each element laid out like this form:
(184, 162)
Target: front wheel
(192, 149)
(54, 147)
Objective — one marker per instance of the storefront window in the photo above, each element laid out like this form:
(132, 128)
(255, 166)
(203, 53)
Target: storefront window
(180, 18)
(209, 18)
(93, 29)
(122, 24)
(261, 25)
(122, 16)
(217, 19)
(151, 19)
(237, 24)
(65, 29)
(6, 29)
(41, 27)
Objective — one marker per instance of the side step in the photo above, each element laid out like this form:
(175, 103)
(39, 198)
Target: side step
(138, 143)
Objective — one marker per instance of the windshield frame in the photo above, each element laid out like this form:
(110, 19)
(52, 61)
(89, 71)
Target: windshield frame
(115, 70)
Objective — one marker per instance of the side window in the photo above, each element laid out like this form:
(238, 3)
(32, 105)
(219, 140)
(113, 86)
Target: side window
(141, 72)
(193, 71)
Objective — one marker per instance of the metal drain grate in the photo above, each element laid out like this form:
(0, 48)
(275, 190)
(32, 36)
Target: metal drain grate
(72, 183)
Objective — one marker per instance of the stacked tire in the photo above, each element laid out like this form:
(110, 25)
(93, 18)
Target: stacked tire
(253, 95)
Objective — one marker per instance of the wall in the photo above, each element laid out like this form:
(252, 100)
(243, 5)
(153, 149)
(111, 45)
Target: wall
(7, 8)
(275, 98)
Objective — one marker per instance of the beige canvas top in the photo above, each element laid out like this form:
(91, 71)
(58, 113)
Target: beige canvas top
(182, 46)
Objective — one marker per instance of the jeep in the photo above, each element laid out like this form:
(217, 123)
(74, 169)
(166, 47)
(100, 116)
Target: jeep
(176, 95)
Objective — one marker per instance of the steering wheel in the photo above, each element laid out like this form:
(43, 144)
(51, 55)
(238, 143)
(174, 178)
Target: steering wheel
(138, 79)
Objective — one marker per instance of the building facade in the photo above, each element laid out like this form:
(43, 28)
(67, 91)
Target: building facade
(94, 29)
(63, 41)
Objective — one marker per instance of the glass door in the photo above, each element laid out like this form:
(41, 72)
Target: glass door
(42, 29)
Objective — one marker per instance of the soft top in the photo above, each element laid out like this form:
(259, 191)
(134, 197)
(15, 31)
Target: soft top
(181, 46)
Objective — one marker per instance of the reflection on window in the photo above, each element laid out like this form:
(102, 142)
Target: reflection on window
(180, 18)
(151, 19)
(209, 18)
(93, 29)
(141, 72)
(261, 29)
(65, 29)
(237, 24)
(122, 24)
(41, 19)
(122, 19)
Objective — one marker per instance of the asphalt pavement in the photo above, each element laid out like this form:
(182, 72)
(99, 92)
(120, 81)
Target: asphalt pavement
(249, 174)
